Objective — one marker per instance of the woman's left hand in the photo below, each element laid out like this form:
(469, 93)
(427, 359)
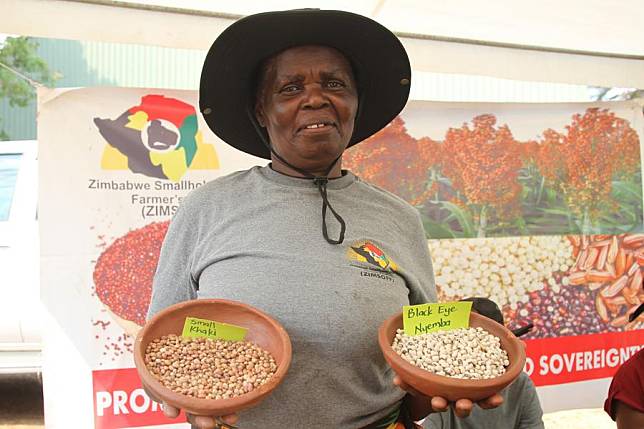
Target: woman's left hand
(421, 405)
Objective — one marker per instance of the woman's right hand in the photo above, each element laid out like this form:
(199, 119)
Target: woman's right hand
(202, 422)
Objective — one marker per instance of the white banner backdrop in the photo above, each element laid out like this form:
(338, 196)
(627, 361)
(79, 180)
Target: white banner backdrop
(115, 163)
(90, 195)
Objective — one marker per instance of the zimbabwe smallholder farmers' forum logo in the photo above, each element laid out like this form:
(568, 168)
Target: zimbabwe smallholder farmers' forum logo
(366, 251)
(159, 138)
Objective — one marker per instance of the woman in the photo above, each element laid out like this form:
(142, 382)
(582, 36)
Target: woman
(323, 252)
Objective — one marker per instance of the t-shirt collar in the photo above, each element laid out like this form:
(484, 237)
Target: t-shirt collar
(341, 182)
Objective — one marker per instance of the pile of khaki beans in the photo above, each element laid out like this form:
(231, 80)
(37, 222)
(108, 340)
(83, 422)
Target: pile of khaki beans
(207, 368)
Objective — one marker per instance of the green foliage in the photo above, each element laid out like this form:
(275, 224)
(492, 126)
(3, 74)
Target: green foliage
(614, 94)
(20, 54)
(543, 211)
(444, 219)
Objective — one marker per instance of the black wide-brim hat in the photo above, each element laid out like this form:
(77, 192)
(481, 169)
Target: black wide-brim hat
(228, 79)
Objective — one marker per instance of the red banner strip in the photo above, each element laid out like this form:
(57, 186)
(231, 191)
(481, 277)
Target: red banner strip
(577, 358)
(121, 402)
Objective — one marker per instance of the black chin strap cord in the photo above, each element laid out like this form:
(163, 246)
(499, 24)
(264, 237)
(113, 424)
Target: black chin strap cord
(319, 181)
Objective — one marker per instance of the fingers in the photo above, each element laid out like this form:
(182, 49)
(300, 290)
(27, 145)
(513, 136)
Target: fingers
(203, 422)
(398, 382)
(463, 407)
(439, 404)
(170, 411)
(491, 402)
(207, 422)
(406, 387)
(230, 419)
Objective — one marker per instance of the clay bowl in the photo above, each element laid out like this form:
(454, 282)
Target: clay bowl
(262, 330)
(451, 388)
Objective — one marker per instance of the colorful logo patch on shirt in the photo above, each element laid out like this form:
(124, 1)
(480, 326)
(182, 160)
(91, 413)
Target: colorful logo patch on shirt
(366, 251)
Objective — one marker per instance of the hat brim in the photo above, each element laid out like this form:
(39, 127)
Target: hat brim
(227, 84)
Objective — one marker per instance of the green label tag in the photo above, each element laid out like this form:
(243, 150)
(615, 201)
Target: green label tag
(425, 318)
(194, 327)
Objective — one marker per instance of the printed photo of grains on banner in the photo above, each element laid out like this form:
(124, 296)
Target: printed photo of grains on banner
(548, 200)
(538, 208)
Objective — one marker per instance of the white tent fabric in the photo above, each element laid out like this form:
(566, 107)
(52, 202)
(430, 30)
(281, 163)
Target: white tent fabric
(587, 42)
(588, 25)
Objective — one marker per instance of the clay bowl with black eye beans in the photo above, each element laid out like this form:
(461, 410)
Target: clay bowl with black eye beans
(452, 388)
(263, 331)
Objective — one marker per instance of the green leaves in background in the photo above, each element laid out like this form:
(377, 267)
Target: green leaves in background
(19, 54)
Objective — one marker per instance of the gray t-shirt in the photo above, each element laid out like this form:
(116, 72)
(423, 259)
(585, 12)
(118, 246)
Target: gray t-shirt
(520, 410)
(256, 236)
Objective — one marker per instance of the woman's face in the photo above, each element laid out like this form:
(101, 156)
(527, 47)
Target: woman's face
(307, 101)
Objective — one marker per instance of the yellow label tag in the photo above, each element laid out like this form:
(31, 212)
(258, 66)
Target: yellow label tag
(194, 327)
(425, 318)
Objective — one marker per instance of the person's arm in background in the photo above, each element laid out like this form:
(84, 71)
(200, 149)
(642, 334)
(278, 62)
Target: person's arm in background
(531, 414)
(627, 417)
(625, 401)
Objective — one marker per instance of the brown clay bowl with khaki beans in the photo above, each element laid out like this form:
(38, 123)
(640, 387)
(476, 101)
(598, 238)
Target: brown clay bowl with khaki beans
(469, 363)
(211, 377)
